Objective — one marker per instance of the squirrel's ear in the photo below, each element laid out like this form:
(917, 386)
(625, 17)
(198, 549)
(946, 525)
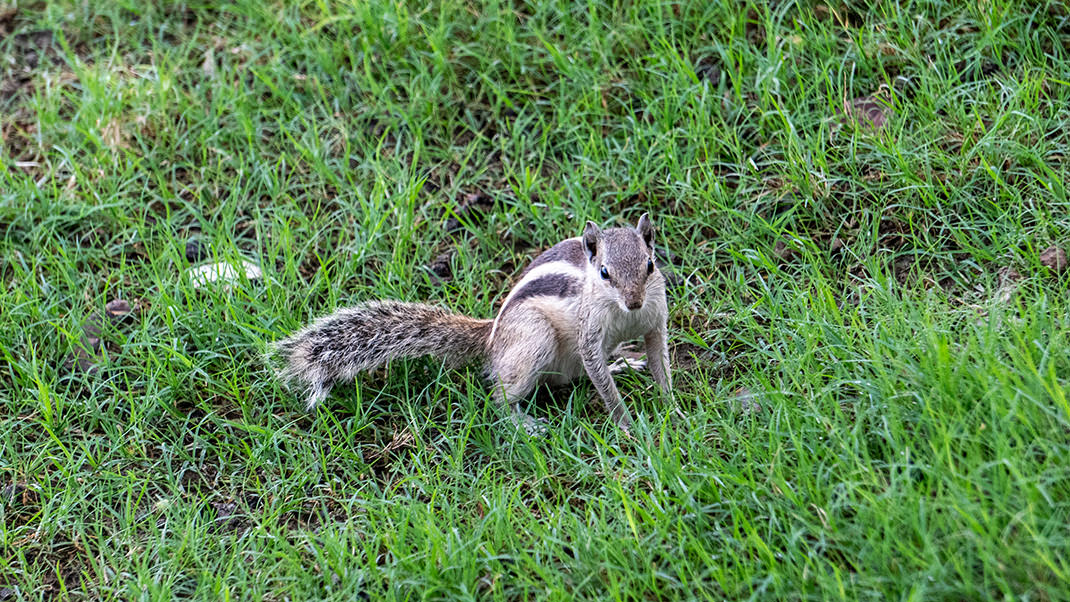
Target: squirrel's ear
(646, 230)
(591, 235)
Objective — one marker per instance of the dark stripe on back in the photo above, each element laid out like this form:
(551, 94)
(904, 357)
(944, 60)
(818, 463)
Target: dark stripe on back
(550, 285)
(570, 251)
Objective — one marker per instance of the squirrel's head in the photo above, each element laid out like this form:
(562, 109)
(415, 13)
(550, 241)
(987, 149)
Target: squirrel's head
(623, 258)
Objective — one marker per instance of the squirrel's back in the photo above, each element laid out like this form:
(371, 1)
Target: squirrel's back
(339, 346)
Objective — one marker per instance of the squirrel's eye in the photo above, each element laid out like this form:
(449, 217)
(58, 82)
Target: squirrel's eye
(650, 266)
(604, 273)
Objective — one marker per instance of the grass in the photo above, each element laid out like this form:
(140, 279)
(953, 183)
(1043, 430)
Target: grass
(871, 365)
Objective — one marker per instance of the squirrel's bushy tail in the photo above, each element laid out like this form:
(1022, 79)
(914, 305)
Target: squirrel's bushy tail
(351, 340)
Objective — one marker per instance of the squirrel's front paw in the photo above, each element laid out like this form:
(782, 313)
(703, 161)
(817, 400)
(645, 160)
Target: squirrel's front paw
(623, 364)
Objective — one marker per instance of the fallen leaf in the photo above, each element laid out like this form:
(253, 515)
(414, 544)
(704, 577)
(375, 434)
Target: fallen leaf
(399, 440)
(1054, 258)
(113, 136)
(868, 111)
(118, 309)
(208, 65)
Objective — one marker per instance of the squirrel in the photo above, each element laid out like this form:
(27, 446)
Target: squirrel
(572, 306)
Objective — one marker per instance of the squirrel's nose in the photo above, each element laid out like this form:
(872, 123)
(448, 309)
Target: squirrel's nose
(634, 304)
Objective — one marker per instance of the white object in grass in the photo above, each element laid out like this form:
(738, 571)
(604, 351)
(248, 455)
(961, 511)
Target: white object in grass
(222, 271)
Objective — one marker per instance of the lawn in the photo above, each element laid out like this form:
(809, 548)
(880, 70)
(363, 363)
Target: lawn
(861, 209)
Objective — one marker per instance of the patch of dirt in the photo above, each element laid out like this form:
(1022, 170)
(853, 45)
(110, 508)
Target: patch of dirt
(21, 502)
(845, 15)
(786, 249)
(7, 18)
(685, 356)
(470, 210)
(709, 69)
(235, 510)
(232, 513)
(18, 130)
(61, 563)
(25, 53)
(23, 56)
(970, 71)
(197, 251)
(441, 268)
(86, 357)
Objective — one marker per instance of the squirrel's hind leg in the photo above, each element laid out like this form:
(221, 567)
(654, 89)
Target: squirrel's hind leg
(519, 357)
(509, 395)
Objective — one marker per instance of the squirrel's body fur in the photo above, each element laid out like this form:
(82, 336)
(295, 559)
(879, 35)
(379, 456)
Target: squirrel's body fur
(571, 308)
